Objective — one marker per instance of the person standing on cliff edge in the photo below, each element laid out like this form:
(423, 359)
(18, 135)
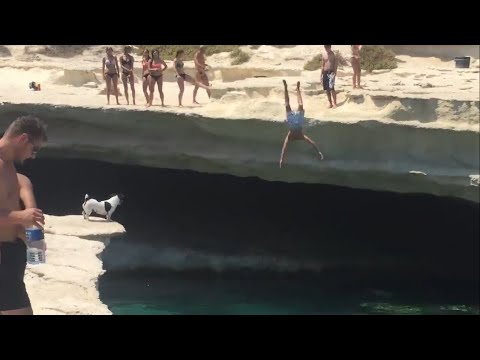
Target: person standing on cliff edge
(21, 141)
(295, 121)
(201, 75)
(329, 74)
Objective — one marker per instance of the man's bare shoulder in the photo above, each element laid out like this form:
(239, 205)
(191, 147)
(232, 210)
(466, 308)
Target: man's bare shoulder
(23, 180)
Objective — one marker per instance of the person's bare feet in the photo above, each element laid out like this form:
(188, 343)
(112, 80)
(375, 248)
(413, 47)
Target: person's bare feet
(118, 103)
(196, 102)
(334, 106)
(330, 106)
(148, 105)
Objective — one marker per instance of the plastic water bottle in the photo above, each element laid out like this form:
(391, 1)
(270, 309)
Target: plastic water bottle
(35, 245)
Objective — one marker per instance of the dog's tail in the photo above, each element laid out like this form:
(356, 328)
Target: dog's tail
(86, 198)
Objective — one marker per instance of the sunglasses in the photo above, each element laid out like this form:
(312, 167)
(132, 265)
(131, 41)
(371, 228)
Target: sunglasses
(35, 149)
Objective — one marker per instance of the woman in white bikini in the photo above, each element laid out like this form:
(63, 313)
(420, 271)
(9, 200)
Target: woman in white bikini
(110, 71)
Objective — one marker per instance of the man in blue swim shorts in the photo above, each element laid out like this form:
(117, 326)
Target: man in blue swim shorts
(295, 120)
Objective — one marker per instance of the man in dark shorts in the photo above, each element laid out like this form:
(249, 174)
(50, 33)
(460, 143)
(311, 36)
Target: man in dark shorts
(22, 140)
(329, 73)
(295, 121)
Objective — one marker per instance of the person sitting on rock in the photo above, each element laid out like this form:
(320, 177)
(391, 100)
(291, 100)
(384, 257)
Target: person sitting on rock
(295, 121)
(34, 86)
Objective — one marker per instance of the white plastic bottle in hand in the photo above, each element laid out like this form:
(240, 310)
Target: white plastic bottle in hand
(35, 245)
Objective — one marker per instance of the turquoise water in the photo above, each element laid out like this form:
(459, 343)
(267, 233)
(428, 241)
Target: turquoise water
(259, 294)
(158, 308)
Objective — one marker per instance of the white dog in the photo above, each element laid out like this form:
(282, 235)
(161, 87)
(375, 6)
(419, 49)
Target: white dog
(105, 207)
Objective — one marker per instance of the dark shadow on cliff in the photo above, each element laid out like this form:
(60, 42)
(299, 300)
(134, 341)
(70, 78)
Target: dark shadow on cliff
(417, 238)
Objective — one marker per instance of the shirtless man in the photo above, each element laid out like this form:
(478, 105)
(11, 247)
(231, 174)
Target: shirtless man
(329, 73)
(22, 140)
(126, 62)
(201, 75)
(295, 121)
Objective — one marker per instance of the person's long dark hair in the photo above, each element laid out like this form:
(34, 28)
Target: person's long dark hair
(148, 54)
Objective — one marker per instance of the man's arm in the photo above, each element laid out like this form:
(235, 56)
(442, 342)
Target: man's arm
(28, 198)
(335, 63)
(284, 148)
(26, 192)
(323, 66)
(9, 217)
(197, 63)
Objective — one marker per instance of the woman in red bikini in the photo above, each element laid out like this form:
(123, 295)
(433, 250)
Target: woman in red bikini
(156, 66)
(110, 73)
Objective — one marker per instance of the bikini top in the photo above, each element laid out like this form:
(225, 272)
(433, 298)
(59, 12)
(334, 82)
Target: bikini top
(155, 66)
(145, 64)
(125, 60)
(109, 62)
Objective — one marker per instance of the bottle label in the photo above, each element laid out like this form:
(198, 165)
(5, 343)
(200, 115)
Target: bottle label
(34, 234)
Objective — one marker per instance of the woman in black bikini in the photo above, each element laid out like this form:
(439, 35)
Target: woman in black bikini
(146, 75)
(110, 73)
(156, 66)
(182, 77)
(126, 62)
